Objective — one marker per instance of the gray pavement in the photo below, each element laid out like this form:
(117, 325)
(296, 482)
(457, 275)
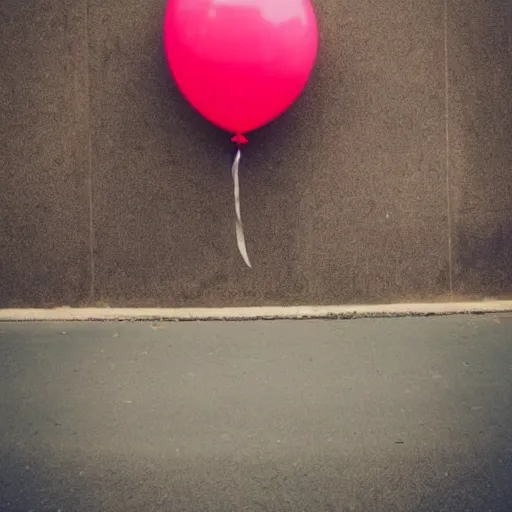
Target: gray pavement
(368, 415)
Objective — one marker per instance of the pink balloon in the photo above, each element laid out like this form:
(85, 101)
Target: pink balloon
(241, 63)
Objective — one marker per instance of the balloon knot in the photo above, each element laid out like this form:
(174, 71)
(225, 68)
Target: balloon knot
(239, 139)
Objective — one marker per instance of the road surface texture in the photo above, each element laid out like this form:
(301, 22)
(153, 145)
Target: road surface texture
(317, 416)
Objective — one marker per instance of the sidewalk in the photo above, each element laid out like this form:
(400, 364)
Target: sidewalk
(318, 416)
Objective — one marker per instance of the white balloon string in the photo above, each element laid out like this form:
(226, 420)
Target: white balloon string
(240, 238)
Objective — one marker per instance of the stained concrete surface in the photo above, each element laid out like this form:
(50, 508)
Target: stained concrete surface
(369, 415)
(387, 181)
(480, 76)
(44, 171)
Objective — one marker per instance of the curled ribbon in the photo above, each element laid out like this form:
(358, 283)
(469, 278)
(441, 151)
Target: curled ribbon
(240, 238)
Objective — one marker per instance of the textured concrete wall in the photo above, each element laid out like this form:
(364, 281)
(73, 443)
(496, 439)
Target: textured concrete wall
(390, 180)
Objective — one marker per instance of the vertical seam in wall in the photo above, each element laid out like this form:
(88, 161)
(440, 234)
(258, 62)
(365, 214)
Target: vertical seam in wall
(447, 148)
(92, 291)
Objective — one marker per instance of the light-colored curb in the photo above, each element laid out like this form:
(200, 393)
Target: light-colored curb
(254, 313)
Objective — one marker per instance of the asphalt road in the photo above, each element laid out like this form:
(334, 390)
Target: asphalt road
(318, 416)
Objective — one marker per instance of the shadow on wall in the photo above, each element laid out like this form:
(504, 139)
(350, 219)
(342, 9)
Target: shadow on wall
(90, 93)
(167, 238)
(481, 153)
(343, 197)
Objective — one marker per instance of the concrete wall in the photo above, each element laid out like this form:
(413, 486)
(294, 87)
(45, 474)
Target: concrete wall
(390, 180)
